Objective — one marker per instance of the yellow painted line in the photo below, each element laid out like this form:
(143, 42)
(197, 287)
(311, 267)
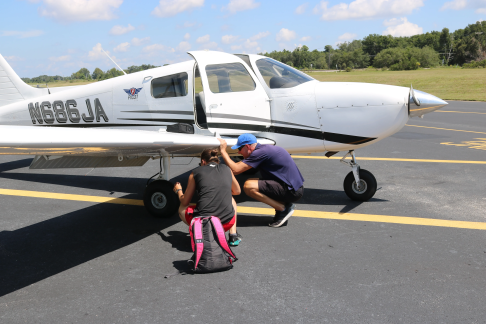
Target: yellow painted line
(264, 211)
(389, 159)
(370, 218)
(455, 130)
(425, 108)
(50, 195)
(460, 112)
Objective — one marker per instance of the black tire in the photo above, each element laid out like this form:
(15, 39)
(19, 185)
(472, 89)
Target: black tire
(160, 200)
(367, 179)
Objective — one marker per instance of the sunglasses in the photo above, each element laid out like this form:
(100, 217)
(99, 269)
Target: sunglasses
(241, 147)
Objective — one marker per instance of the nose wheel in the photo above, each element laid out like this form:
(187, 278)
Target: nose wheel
(359, 184)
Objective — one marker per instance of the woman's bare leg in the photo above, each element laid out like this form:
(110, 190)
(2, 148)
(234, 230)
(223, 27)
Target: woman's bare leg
(233, 228)
(182, 214)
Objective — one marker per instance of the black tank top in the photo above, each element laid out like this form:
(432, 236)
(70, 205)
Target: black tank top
(213, 184)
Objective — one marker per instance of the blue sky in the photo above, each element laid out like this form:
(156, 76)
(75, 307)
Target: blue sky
(61, 36)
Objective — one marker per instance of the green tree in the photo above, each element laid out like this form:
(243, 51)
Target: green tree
(98, 74)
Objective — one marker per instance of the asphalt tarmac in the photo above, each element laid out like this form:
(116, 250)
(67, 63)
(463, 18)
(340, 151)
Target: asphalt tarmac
(393, 259)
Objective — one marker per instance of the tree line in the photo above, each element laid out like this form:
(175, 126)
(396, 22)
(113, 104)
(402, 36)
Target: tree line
(84, 74)
(460, 47)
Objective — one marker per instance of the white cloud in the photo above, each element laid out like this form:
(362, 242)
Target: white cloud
(228, 39)
(479, 5)
(140, 41)
(183, 47)
(236, 47)
(96, 53)
(211, 45)
(305, 39)
(249, 44)
(153, 48)
(240, 5)
(79, 10)
(301, 9)
(401, 27)
(203, 39)
(120, 30)
(285, 35)
(123, 47)
(168, 8)
(187, 36)
(60, 58)
(259, 36)
(22, 34)
(13, 58)
(347, 37)
(366, 9)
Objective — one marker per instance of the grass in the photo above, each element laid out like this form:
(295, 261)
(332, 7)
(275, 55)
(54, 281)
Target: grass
(445, 83)
(61, 83)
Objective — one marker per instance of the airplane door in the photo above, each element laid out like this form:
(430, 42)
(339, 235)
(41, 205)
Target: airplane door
(235, 100)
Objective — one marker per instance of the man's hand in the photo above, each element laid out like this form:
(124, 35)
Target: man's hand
(177, 186)
(222, 146)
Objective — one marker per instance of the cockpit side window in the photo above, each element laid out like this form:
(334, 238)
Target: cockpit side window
(170, 86)
(278, 75)
(229, 77)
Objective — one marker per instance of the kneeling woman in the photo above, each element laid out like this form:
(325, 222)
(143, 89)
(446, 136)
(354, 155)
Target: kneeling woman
(215, 184)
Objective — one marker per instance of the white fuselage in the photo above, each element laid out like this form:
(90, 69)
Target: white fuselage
(309, 117)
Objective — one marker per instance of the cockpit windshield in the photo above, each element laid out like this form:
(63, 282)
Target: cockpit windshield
(278, 75)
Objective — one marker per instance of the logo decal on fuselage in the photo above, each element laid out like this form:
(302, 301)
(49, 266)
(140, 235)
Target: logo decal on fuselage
(132, 92)
(61, 112)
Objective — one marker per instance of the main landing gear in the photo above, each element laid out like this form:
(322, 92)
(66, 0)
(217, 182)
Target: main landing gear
(359, 184)
(159, 198)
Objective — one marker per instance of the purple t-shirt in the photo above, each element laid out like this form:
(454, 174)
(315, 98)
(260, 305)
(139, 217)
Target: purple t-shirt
(275, 163)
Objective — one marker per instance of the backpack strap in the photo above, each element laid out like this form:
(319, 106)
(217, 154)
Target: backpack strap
(218, 228)
(198, 240)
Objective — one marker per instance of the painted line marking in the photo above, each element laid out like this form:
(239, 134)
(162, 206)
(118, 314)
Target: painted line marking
(390, 159)
(370, 218)
(461, 112)
(455, 130)
(50, 195)
(265, 211)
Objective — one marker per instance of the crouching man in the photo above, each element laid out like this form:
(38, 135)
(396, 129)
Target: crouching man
(281, 184)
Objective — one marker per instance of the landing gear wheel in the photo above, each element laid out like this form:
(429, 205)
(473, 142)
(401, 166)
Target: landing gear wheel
(159, 199)
(367, 187)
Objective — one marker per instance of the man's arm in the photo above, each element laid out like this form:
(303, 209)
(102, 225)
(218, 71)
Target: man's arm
(237, 168)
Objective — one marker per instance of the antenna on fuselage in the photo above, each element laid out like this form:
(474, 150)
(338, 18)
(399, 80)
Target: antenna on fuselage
(114, 61)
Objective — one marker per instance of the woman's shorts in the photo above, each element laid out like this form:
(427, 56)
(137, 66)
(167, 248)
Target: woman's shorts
(226, 226)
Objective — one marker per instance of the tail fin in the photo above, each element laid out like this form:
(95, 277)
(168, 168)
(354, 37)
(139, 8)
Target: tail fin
(12, 88)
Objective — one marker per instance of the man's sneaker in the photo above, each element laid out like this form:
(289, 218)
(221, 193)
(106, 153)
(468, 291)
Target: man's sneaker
(282, 216)
(234, 240)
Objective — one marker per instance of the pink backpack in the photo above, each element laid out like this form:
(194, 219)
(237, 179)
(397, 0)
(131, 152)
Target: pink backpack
(211, 250)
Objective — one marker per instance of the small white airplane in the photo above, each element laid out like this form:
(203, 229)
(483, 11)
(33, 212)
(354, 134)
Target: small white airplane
(181, 109)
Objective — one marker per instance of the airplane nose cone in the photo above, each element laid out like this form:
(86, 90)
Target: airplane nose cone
(423, 103)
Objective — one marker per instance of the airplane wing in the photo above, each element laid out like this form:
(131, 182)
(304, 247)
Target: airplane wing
(63, 141)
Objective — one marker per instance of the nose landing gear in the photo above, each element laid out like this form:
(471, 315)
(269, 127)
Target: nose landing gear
(159, 198)
(359, 184)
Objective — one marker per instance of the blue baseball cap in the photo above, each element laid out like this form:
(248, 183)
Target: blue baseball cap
(244, 139)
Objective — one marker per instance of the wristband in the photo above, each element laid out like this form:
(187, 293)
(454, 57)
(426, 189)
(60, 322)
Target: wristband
(177, 190)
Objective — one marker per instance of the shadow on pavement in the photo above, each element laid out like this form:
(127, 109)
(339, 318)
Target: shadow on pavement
(18, 164)
(42, 250)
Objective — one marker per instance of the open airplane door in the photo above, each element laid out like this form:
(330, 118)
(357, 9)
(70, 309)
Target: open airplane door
(235, 100)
